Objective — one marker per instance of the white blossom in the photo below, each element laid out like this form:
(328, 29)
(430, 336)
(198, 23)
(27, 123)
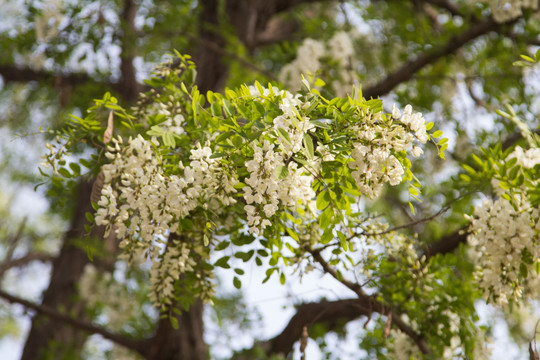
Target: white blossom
(526, 158)
(501, 235)
(374, 160)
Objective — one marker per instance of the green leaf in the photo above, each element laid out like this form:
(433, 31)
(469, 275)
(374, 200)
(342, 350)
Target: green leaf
(223, 262)
(319, 82)
(411, 207)
(323, 200)
(308, 144)
(282, 172)
(174, 322)
(217, 155)
(523, 271)
(512, 174)
(527, 58)
(326, 218)
(342, 240)
(87, 164)
(437, 134)
(284, 135)
(282, 279)
(259, 87)
(469, 169)
(429, 125)
(504, 185)
(155, 131)
(237, 283)
(292, 234)
(65, 173)
(320, 124)
(89, 217)
(477, 160)
(245, 256)
(76, 168)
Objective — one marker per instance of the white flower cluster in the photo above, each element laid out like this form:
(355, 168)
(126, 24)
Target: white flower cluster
(307, 60)
(167, 269)
(506, 10)
(309, 57)
(273, 182)
(173, 122)
(144, 205)
(374, 162)
(526, 158)
(267, 190)
(292, 125)
(136, 188)
(501, 236)
(100, 289)
(402, 347)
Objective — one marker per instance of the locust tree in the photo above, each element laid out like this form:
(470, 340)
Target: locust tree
(389, 146)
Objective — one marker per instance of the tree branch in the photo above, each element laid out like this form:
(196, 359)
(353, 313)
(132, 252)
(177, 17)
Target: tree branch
(448, 243)
(409, 69)
(133, 344)
(25, 260)
(329, 313)
(374, 305)
(330, 270)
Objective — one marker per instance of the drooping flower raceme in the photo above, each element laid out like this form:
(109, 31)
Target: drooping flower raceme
(143, 205)
(137, 188)
(272, 182)
(505, 244)
(374, 155)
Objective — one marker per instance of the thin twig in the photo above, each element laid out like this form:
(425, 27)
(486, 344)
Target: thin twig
(419, 221)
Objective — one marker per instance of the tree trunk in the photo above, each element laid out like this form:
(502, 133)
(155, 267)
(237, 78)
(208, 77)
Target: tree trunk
(50, 338)
(184, 343)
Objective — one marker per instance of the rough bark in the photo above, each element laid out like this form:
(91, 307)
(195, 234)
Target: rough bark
(186, 342)
(48, 335)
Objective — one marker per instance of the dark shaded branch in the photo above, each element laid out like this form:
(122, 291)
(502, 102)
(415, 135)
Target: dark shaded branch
(24, 260)
(133, 344)
(448, 243)
(331, 314)
(409, 69)
(11, 73)
(60, 80)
